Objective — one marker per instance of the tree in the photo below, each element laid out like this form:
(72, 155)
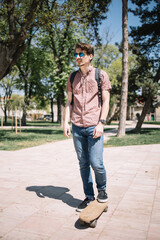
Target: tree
(108, 57)
(124, 89)
(75, 21)
(35, 66)
(114, 71)
(62, 20)
(8, 84)
(105, 55)
(16, 19)
(146, 39)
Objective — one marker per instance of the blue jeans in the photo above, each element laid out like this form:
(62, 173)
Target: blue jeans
(90, 154)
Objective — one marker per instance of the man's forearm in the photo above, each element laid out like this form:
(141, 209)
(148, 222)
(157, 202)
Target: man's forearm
(68, 109)
(105, 106)
(67, 112)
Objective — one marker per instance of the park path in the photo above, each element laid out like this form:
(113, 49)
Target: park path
(40, 188)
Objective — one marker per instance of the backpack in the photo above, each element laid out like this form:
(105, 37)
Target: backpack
(98, 79)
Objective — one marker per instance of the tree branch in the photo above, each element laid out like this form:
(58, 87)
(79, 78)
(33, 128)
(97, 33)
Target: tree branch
(36, 4)
(11, 19)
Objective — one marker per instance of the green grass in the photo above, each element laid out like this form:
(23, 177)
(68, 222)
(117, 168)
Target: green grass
(11, 141)
(44, 132)
(152, 122)
(33, 123)
(147, 136)
(43, 124)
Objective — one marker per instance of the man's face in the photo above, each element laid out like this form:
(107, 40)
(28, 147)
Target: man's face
(82, 58)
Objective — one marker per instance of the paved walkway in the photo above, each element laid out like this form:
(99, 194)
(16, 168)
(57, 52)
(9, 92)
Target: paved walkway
(40, 188)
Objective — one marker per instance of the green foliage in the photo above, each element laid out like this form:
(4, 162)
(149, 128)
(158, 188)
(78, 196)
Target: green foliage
(48, 61)
(147, 136)
(21, 10)
(142, 77)
(81, 13)
(3, 22)
(59, 37)
(146, 44)
(70, 25)
(17, 101)
(105, 55)
(35, 64)
(8, 83)
(108, 57)
(114, 71)
(147, 36)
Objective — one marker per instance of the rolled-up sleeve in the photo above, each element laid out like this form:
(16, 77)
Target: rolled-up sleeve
(68, 87)
(105, 82)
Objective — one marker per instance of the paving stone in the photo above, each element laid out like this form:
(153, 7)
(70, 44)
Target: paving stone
(40, 188)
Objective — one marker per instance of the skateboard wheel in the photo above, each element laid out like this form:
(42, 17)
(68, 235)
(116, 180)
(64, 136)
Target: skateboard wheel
(81, 222)
(106, 209)
(93, 224)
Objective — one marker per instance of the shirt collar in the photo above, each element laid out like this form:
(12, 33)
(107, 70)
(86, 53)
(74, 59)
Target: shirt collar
(90, 68)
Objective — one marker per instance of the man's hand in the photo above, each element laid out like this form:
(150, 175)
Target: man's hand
(98, 131)
(66, 130)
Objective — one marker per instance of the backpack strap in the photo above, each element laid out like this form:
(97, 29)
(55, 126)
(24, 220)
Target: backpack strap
(71, 81)
(98, 79)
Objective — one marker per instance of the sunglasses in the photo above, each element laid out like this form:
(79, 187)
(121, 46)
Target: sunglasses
(81, 54)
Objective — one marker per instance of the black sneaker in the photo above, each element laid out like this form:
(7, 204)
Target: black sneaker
(102, 196)
(84, 204)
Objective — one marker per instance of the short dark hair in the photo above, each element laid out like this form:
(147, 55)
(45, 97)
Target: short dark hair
(85, 46)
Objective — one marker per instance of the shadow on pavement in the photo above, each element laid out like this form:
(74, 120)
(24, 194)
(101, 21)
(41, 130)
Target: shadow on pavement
(60, 193)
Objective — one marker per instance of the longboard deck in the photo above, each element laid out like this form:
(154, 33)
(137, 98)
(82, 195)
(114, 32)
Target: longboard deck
(92, 211)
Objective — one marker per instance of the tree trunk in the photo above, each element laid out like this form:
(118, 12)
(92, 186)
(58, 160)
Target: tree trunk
(124, 88)
(5, 113)
(24, 116)
(146, 105)
(58, 110)
(52, 113)
(60, 105)
(26, 100)
(9, 58)
(114, 112)
(143, 114)
(25, 107)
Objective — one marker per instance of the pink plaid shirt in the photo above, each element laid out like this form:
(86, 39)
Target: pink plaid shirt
(86, 110)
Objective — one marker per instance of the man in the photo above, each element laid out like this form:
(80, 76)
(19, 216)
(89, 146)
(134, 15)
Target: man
(88, 119)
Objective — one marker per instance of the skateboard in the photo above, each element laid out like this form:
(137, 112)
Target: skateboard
(92, 212)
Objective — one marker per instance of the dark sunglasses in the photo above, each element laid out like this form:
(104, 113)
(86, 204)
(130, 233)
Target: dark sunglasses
(81, 54)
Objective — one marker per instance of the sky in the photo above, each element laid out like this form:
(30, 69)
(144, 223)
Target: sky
(114, 21)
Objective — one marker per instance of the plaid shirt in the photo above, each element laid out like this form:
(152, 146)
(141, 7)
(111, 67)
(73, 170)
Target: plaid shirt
(86, 110)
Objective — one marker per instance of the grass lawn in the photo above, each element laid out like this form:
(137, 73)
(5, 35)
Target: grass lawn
(152, 122)
(33, 123)
(41, 132)
(147, 136)
(30, 137)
